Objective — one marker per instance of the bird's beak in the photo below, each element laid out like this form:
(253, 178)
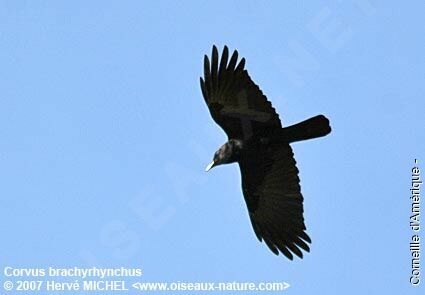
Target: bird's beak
(210, 165)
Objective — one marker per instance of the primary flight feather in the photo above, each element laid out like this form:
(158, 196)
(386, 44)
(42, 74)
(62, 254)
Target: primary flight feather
(259, 144)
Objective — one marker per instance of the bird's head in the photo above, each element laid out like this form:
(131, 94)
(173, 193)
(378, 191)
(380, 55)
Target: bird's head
(225, 154)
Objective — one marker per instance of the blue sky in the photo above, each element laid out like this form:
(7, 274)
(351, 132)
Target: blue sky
(105, 137)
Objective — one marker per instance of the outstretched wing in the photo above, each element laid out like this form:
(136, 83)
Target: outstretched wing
(272, 192)
(235, 102)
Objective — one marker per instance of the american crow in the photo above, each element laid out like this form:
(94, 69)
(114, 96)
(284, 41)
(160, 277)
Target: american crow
(257, 141)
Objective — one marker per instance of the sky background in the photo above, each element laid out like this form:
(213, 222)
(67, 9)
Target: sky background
(104, 137)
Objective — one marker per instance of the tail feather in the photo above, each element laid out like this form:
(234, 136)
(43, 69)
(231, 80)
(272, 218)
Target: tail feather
(317, 126)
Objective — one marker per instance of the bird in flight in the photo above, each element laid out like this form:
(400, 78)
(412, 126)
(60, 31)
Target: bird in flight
(260, 145)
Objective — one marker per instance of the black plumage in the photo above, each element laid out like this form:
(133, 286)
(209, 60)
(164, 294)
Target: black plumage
(259, 144)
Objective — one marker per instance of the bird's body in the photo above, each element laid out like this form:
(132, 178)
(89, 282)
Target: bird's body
(259, 144)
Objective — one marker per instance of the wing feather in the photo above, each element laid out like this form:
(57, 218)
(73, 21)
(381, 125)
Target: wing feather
(273, 195)
(214, 70)
(235, 102)
(223, 66)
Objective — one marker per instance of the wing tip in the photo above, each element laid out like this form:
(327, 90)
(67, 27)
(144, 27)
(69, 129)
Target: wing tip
(206, 63)
(241, 65)
(303, 235)
(214, 51)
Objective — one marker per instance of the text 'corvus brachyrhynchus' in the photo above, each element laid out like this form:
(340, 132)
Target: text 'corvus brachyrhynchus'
(260, 145)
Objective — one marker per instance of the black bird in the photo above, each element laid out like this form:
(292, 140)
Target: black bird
(259, 144)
